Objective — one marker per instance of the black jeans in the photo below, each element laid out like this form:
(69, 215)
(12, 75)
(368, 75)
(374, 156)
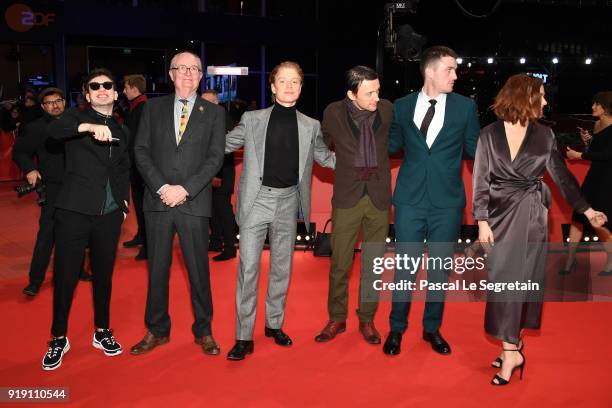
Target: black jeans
(44, 239)
(73, 233)
(223, 222)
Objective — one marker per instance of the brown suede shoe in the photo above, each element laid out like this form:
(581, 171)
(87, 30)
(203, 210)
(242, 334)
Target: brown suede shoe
(330, 331)
(369, 332)
(209, 345)
(148, 343)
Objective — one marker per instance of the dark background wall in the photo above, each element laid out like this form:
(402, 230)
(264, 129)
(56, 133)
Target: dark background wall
(325, 37)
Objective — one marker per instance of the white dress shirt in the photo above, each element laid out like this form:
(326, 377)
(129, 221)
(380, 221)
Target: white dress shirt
(422, 105)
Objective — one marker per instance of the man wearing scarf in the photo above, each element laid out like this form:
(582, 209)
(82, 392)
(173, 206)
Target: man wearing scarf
(358, 128)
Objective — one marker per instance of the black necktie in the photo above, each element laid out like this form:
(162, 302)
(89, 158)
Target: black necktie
(428, 117)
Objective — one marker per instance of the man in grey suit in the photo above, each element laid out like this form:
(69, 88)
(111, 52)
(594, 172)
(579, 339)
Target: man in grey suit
(280, 144)
(179, 149)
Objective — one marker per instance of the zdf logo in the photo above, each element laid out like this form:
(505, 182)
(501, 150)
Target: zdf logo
(21, 18)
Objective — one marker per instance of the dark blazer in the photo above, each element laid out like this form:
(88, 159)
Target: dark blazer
(91, 164)
(598, 181)
(192, 164)
(434, 171)
(340, 131)
(36, 141)
(132, 119)
(227, 174)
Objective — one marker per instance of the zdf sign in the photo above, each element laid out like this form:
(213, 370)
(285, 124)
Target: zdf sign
(21, 18)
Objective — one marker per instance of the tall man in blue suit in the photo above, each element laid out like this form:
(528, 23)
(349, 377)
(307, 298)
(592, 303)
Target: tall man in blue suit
(434, 126)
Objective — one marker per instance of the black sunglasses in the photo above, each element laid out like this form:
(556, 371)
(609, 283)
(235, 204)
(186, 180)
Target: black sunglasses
(94, 86)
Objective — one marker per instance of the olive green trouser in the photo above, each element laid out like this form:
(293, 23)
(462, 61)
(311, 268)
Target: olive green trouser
(346, 222)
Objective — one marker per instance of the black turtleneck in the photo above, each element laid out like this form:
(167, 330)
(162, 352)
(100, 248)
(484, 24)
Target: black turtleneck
(282, 148)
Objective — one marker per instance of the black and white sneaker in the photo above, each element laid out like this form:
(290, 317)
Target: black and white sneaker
(105, 341)
(55, 353)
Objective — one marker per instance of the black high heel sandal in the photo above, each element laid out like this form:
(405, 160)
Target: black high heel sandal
(497, 363)
(502, 381)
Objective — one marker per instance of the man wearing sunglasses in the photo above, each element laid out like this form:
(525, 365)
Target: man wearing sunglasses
(35, 140)
(179, 149)
(92, 204)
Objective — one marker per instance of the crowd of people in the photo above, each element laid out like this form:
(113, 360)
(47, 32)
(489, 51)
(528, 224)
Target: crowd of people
(174, 153)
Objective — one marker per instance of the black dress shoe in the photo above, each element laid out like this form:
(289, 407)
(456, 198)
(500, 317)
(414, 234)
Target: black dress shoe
(240, 350)
(133, 242)
(31, 290)
(142, 254)
(224, 256)
(393, 343)
(280, 337)
(85, 276)
(438, 344)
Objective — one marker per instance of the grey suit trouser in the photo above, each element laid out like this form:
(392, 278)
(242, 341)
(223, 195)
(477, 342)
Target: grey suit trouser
(275, 212)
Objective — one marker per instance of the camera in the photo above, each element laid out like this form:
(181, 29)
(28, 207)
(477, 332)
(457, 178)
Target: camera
(40, 189)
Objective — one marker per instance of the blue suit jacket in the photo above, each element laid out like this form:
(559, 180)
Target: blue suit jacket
(435, 171)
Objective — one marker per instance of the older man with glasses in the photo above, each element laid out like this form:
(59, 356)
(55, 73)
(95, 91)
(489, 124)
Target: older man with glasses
(179, 149)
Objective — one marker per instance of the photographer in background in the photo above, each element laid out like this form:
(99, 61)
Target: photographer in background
(36, 141)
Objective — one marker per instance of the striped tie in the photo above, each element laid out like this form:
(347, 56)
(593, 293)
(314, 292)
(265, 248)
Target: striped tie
(183, 120)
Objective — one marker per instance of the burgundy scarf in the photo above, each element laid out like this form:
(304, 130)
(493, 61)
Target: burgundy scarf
(365, 160)
(142, 98)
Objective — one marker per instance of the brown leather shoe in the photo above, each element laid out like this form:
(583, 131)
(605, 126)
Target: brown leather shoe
(369, 332)
(330, 331)
(148, 343)
(209, 345)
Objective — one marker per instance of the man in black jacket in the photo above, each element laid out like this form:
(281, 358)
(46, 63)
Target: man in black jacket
(35, 140)
(92, 204)
(134, 87)
(223, 222)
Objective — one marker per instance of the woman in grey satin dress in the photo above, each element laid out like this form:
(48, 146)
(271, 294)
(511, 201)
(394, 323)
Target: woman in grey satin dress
(510, 203)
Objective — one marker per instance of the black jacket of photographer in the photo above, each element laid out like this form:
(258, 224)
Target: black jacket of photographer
(91, 165)
(35, 140)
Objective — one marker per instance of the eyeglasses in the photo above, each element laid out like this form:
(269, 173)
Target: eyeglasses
(184, 68)
(54, 102)
(94, 86)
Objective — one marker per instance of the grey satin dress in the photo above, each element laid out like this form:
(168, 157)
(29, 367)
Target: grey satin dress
(513, 198)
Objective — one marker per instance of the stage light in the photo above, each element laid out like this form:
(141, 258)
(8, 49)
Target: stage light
(299, 237)
(469, 65)
(388, 240)
(596, 238)
(237, 236)
(522, 60)
(459, 61)
(489, 60)
(459, 241)
(567, 240)
(397, 82)
(588, 61)
(587, 239)
(307, 237)
(555, 60)
(468, 241)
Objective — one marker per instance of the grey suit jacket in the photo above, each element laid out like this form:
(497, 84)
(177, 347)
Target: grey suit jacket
(251, 133)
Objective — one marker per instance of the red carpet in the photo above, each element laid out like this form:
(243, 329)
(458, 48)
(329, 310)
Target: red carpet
(567, 361)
